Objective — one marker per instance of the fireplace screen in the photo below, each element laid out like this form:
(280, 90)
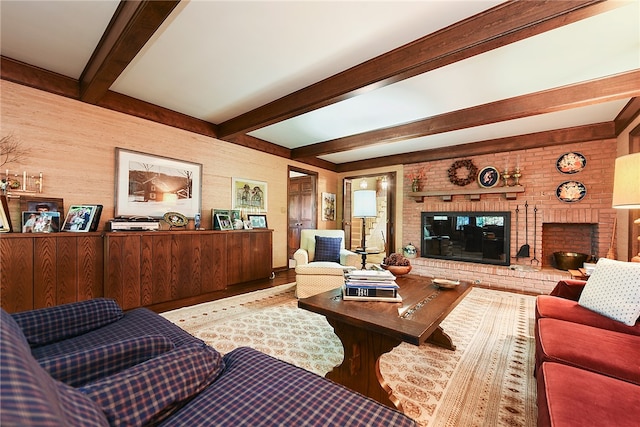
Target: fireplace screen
(482, 237)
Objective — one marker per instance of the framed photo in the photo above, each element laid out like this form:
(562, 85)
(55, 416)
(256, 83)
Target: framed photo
(247, 224)
(40, 222)
(80, 218)
(249, 194)
(214, 218)
(225, 221)
(258, 221)
(328, 207)
(150, 185)
(40, 204)
(235, 214)
(5, 218)
(488, 177)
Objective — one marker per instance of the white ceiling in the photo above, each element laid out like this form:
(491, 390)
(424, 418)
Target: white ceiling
(215, 60)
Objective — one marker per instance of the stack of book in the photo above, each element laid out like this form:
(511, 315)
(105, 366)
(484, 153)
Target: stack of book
(371, 285)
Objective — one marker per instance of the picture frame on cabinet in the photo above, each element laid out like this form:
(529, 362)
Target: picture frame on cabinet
(40, 222)
(41, 204)
(80, 218)
(215, 224)
(225, 221)
(257, 221)
(150, 185)
(5, 218)
(247, 224)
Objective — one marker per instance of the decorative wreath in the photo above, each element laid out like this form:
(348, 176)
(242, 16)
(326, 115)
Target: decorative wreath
(472, 172)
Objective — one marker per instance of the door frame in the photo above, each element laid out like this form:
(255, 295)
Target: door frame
(347, 183)
(314, 177)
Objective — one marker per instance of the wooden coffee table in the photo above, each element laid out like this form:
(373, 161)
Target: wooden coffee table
(370, 329)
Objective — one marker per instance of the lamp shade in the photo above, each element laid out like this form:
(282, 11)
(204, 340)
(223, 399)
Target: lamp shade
(626, 182)
(364, 204)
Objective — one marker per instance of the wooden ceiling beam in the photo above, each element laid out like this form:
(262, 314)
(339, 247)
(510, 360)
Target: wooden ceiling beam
(627, 115)
(504, 24)
(131, 27)
(603, 131)
(624, 85)
(38, 78)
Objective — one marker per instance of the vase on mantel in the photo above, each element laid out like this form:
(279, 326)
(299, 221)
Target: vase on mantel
(415, 185)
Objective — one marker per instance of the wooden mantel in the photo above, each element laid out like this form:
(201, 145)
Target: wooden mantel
(510, 193)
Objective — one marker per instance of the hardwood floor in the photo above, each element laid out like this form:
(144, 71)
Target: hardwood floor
(282, 277)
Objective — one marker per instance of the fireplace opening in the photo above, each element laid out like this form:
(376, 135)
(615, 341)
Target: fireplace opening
(568, 237)
(481, 237)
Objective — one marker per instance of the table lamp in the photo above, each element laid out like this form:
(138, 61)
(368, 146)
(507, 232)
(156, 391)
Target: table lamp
(626, 185)
(364, 206)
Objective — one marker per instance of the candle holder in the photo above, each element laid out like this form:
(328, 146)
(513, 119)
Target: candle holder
(13, 184)
(505, 177)
(516, 176)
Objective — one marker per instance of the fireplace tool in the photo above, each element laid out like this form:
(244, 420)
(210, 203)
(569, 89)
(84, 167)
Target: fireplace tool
(523, 252)
(535, 228)
(517, 226)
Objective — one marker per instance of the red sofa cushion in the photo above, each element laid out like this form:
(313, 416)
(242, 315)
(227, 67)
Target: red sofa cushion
(605, 352)
(569, 396)
(565, 309)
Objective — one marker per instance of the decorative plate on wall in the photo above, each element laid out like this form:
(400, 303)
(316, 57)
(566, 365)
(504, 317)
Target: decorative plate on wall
(488, 177)
(570, 163)
(571, 191)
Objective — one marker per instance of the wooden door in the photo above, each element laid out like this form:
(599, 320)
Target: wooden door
(347, 221)
(302, 209)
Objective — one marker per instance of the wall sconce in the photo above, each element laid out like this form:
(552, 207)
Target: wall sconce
(363, 184)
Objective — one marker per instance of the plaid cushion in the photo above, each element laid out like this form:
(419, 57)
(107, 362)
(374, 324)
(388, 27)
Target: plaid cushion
(259, 390)
(51, 324)
(135, 323)
(83, 366)
(328, 249)
(152, 390)
(30, 397)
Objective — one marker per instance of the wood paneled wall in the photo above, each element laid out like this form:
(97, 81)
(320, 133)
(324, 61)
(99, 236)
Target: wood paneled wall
(73, 145)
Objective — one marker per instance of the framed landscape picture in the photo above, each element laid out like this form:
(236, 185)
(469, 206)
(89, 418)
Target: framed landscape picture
(248, 194)
(150, 185)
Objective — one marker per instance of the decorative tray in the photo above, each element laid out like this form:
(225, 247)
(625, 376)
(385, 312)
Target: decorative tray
(445, 283)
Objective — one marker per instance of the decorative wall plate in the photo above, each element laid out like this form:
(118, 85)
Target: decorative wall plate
(488, 177)
(570, 163)
(571, 191)
(175, 219)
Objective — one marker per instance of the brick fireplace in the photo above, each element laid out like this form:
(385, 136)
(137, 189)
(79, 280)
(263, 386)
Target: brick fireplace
(585, 226)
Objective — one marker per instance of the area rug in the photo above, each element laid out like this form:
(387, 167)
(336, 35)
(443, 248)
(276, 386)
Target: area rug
(486, 381)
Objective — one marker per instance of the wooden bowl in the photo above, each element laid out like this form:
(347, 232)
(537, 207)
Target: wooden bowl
(397, 270)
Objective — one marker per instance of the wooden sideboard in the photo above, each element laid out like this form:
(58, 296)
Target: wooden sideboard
(135, 268)
(43, 270)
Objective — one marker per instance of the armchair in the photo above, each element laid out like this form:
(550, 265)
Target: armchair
(322, 270)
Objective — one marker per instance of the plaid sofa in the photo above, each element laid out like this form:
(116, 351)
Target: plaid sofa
(88, 363)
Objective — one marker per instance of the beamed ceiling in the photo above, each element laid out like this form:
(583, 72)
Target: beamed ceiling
(343, 85)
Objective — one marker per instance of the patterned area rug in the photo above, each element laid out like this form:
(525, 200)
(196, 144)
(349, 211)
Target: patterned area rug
(486, 381)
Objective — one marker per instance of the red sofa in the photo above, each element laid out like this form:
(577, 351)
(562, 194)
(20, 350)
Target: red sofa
(587, 365)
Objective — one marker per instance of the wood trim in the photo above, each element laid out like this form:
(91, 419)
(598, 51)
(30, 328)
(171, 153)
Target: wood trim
(131, 27)
(604, 131)
(504, 24)
(627, 115)
(38, 78)
(619, 86)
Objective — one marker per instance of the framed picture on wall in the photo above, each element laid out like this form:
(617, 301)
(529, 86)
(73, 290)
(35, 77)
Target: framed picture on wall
(248, 194)
(150, 185)
(328, 207)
